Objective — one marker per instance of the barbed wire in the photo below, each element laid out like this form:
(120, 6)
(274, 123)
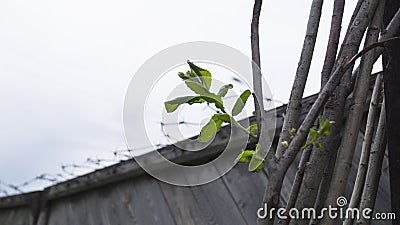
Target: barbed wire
(72, 170)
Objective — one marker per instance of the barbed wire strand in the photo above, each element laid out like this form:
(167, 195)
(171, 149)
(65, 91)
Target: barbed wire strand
(72, 170)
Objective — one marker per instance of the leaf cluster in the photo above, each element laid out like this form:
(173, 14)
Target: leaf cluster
(324, 129)
(199, 81)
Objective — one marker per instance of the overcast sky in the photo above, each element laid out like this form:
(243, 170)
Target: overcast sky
(65, 66)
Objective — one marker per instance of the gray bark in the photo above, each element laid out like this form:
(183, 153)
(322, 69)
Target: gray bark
(264, 137)
(366, 147)
(324, 185)
(296, 183)
(256, 65)
(275, 180)
(389, 32)
(278, 168)
(330, 57)
(374, 167)
(333, 41)
(335, 110)
(294, 106)
(272, 193)
(391, 65)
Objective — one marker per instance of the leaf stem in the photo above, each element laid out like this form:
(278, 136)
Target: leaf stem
(236, 124)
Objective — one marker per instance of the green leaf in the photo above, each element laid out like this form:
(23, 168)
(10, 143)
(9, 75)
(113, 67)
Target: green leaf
(256, 162)
(240, 102)
(197, 88)
(172, 105)
(213, 126)
(253, 128)
(255, 165)
(314, 134)
(257, 156)
(224, 90)
(292, 132)
(203, 74)
(258, 168)
(321, 121)
(224, 117)
(318, 145)
(326, 128)
(217, 102)
(183, 76)
(190, 74)
(209, 130)
(245, 156)
(209, 97)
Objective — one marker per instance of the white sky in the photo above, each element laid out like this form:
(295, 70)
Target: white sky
(65, 66)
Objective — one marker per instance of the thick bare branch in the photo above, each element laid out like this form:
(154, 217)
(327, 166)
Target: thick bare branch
(374, 167)
(333, 41)
(275, 181)
(294, 192)
(312, 172)
(353, 122)
(365, 151)
(264, 137)
(256, 65)
(294, 106)
(272, 193)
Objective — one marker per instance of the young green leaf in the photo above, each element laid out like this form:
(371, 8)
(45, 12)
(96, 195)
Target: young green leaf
(172, 105)
(292, 132)
(205, 96)
(258, 168)
(213, 126)
(209, 130)
(314, 134)
(203, 74)
(190, 74)
(321, 121)
(318, 145)
(326, 128)
(252, 128)
(285, 144)
(197, 88)
(255, 165)
(216, 100)
(240, 102)
(183, 76)
(257, 161)
(245, 156)
(224, 117)
(224, 90)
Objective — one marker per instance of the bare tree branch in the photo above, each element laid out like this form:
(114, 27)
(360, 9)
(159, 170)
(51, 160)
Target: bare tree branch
(333, 41)
(296, 96)
(256, 66)
(366, 147)
(308, 190)
(374, 167)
